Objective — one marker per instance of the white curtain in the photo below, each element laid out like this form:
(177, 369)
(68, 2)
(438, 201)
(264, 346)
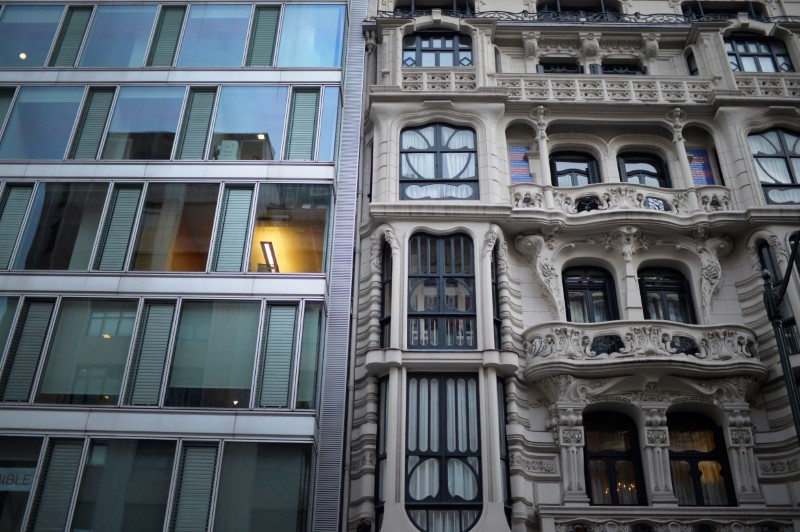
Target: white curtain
(774, 170)
(439, 191)
(458, 166)
(417, 139)
(418, 166)
(766, 143)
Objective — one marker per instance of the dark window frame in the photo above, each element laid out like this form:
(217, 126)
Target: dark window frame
(418, 44)
(586, 281)
(592, 174)
(638, 176)
(560, 66)
(385, 321)
(665, 281)
(768, 262)
(776, 52)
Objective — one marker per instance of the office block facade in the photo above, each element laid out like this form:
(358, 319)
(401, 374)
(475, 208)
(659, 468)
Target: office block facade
(177, 214)
(567, 209)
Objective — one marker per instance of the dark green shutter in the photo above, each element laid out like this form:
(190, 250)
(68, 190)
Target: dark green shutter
(14, 205)
(71, 36)
(196, 120)
(302, 125)
(194, 488)
(26, 350)
(165, 39)
(234, 217)
(92, 124)
(57, 482)
(150, 354)
(117, 228)
(262, 36)
(277, 356)
(6, 95)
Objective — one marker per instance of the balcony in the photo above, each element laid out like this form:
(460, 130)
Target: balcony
(781, 85)
(628, 347)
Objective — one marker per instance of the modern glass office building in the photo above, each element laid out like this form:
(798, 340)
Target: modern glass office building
(176, 233)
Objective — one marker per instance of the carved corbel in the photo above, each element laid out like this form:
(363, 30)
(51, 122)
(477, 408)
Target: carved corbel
(541, 115)
(541, 251)
(590, 46)
(489, 240)
(530, 42)
(627, 241)
(710, 250)
(370, 40)
(650, 45)
(678, 117)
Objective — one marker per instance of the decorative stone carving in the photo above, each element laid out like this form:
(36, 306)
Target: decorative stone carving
(489, 240)
(777, 467)
(532, 465)
(590, 46)
(370, 40)
(677, 116)
(531, 44)
(650, 45)
(709, 249)
(540, 249)
(627, 241)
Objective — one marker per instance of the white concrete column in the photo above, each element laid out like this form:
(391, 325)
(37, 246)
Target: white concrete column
(656, 458)
(743, 462)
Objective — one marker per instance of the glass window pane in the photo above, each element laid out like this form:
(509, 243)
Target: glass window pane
(682, 483)
(699, 440)
(88, 352)
(18, 459)
(125, 486)
(328, 127)
(249, 123)
(712, 483)
(291, 227)
(118, 36)
(26, 34)
(144, 123)
(175, 229)
(212, 365)
(41, 123)
(748, 64)
(61, 227)
(8, 307)
(214, 35)
(263, 483)
(578, 310)
(312, 36)
(309, 356)
(598, 482)
(766, 64)
(626, 483)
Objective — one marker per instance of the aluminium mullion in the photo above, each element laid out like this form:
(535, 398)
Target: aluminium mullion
(255, 389)
(25, 220)
(212, 504)
(318, 122)
(181, 34)
(85, 38)
(135, 228)
(212, 123)
(215, 227)
(184, 114)
(278, 32)
(35, 482)
(298, 349)
(151, 38)
(286, 115)
(134, 337)
(251, 228)
(98, 235)
(77, 484)
(10, 109)
(172, 485)
(247, 43)
(111, 109)
(52, 49)
(173, 338)
(14, 322)
(48, 337)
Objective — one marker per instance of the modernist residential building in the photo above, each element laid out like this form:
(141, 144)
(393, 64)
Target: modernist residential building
(177, 219)
(567, 209)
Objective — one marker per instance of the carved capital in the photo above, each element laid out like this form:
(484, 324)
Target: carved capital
(657, 437)
(572, 437)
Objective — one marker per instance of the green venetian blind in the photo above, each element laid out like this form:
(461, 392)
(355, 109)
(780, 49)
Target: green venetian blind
(26, 350)
(262, 36)
(150, 354)
(196, 121)
(14, 205)
(194, 488)
(6, 95)
(92, 123)
(51, 503)
(70, 37)
(117, 228)
(165, 40)
(277, 356)
(234, 217)
(302, 125)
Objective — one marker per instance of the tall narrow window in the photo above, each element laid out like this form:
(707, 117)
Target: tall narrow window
(776, 154)
(56, 484)
(380, 454)
(496, 320)
(613, 466)
(386, 294)
(196, 123)
(665, 295)
(26, 33)
(438, 161)
(310, 346)
(13, 207)
(441, 293)
(573, 169)
(437, 49)
(698, 461)
(232, 224)
(302, 129)
(263, 36)
(443, 469)
(590, 295)
(165, 38)
(25, 350)
(70, 37)
(92, 123)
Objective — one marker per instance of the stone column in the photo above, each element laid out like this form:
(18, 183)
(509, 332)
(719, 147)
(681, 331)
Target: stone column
(678, 117)
(743, 462)
(571, 440)
(656, 458)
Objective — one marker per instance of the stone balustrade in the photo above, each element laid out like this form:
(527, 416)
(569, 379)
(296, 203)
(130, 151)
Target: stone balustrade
(783, 84)
(436, 80)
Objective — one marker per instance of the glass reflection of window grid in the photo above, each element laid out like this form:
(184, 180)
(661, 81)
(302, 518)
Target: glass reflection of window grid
(590, 295)
(666, 296)
(777, 156)
(643, 169)
(438, 161)
(613, 465)
(312, 35)
(249, 123)
(571, 169)
(437, 50)
(118, 36)
(751, 53)
(214, 36)
(443, 471)
(26, 33)
(441, 299)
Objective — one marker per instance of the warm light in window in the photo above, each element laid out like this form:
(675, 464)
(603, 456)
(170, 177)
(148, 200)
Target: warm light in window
(106, 336)
(261, 136)
(235, 402)
(269, 257)
(23, 56)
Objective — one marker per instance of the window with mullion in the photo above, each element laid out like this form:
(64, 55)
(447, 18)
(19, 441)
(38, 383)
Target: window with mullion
(386, 294)
(776, 154)
(444, 49)
(643, 169)
(443, 469)
(590, 296)
(572, 169)
(441, 293)
(751, 53)
(613, 466)
(665, 296)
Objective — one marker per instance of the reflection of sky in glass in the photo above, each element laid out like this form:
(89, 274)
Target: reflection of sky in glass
(29, 30)
(147, 109)
(118, 36)
(40, 123)
(252, 110)
(214, 35)
(311, 36)
(327, 130)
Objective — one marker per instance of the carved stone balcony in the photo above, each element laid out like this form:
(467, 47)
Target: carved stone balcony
(769, 85)
(440, 79)
(615, 348)
(610, 197)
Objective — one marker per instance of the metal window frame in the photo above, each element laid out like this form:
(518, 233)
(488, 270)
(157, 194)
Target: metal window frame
(740, 38)
(591, 280)
(428, 35)
(670, 281)
(592, 175)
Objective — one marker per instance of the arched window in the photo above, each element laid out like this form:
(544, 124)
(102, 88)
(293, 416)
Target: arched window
(438, 161)
(777, 157)
(437, 49)
(590, 295)
(573, 169)
(643, 169)
(752, 53)
(386, 294)
(665, 295)
(613, 466)
(441, 292)
(698, 461)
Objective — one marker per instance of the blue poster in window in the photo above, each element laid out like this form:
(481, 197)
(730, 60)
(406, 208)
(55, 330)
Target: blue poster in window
(520, 170)
(700, 163)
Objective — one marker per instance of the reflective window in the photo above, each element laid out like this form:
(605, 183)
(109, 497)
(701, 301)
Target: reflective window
(41, 123)
(329, 124)
(698, 461)
(175, 228)
(750, 53)
(215, 35)
(144, 123)
(8, 307)
(26, 33)
(438, 161)
(571, 169)
(559, 67)
(665, 295)
(212, 365)
(118, 36)
(643, 169)
(88, 352)
(291, 228)
(776, 154)
(125, 482)
(309, 356)
(311, 36)
(613, 466)
(18, 460)
(263, 483)
(61, 227)
(386, 294)
(437, 49)
(441, 293)
(590, 296)
(249, 124)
